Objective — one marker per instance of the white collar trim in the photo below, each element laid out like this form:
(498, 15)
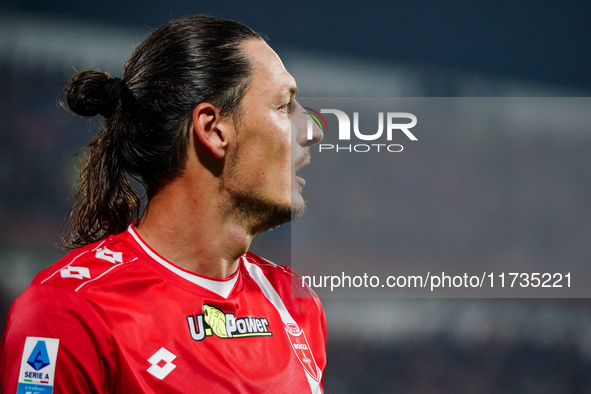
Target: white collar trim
(222, 288)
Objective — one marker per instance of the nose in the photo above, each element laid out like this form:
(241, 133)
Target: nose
(317, 134)
(308, 131)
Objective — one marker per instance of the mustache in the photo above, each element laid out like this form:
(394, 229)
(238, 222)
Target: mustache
(303, 160)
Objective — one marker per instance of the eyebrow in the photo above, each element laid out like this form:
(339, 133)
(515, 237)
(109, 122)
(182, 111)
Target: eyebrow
(288, 88)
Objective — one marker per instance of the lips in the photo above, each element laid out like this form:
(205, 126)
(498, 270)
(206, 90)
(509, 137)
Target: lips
(301, 163)
(300, 180)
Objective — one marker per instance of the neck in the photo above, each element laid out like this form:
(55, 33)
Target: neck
(191, 229)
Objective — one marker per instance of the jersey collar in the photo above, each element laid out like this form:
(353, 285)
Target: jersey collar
(221, 287)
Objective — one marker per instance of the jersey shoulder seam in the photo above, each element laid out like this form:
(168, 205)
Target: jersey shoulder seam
(77, 269)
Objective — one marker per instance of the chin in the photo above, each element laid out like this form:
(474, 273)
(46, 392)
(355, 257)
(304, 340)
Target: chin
(260, 214)
(298, 206)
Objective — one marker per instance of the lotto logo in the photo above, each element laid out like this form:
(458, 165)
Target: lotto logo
(109, 255)
(75, 272)
(161, 363)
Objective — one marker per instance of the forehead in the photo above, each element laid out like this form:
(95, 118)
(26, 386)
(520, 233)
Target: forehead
(269, 75)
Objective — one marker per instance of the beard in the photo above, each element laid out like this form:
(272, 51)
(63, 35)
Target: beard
(253, 210)
(258, 214)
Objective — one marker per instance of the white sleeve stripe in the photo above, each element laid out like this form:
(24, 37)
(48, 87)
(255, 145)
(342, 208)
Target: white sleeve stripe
(72, 262)
(104, 273)
(271, 294)
(268, 290)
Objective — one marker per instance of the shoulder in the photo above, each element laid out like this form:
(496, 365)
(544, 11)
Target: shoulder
(59, 292)
(89, 265)
(58, 306)
(68, 322)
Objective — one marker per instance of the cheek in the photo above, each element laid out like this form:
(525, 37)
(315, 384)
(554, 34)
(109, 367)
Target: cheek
(267, 147)
(278, 143)
(270, 164)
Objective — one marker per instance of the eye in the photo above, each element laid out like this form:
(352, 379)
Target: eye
(286, 107)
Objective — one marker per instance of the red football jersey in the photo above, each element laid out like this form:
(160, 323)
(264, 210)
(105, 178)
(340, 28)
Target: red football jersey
(115, 317)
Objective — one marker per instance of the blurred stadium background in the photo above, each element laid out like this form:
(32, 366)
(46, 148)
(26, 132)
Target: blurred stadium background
(419, 48)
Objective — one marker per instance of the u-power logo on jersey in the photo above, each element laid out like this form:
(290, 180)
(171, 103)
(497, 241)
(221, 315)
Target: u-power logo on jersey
(213, 321)
(394, 122)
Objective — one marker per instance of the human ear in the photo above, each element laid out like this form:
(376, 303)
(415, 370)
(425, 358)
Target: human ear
(209, 128)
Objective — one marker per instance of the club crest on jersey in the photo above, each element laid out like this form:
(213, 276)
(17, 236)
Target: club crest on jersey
(300, 346)
(213, 321)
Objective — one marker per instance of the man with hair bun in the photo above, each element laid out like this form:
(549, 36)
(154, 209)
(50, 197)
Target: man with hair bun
(171, 300)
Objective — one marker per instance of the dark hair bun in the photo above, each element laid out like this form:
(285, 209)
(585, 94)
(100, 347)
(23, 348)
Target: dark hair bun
(90, 93)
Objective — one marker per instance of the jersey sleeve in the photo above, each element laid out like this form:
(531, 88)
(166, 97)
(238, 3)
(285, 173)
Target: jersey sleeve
(49, 313)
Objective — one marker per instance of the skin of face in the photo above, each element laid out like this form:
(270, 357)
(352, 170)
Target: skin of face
(271, 144)
(240, 175)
